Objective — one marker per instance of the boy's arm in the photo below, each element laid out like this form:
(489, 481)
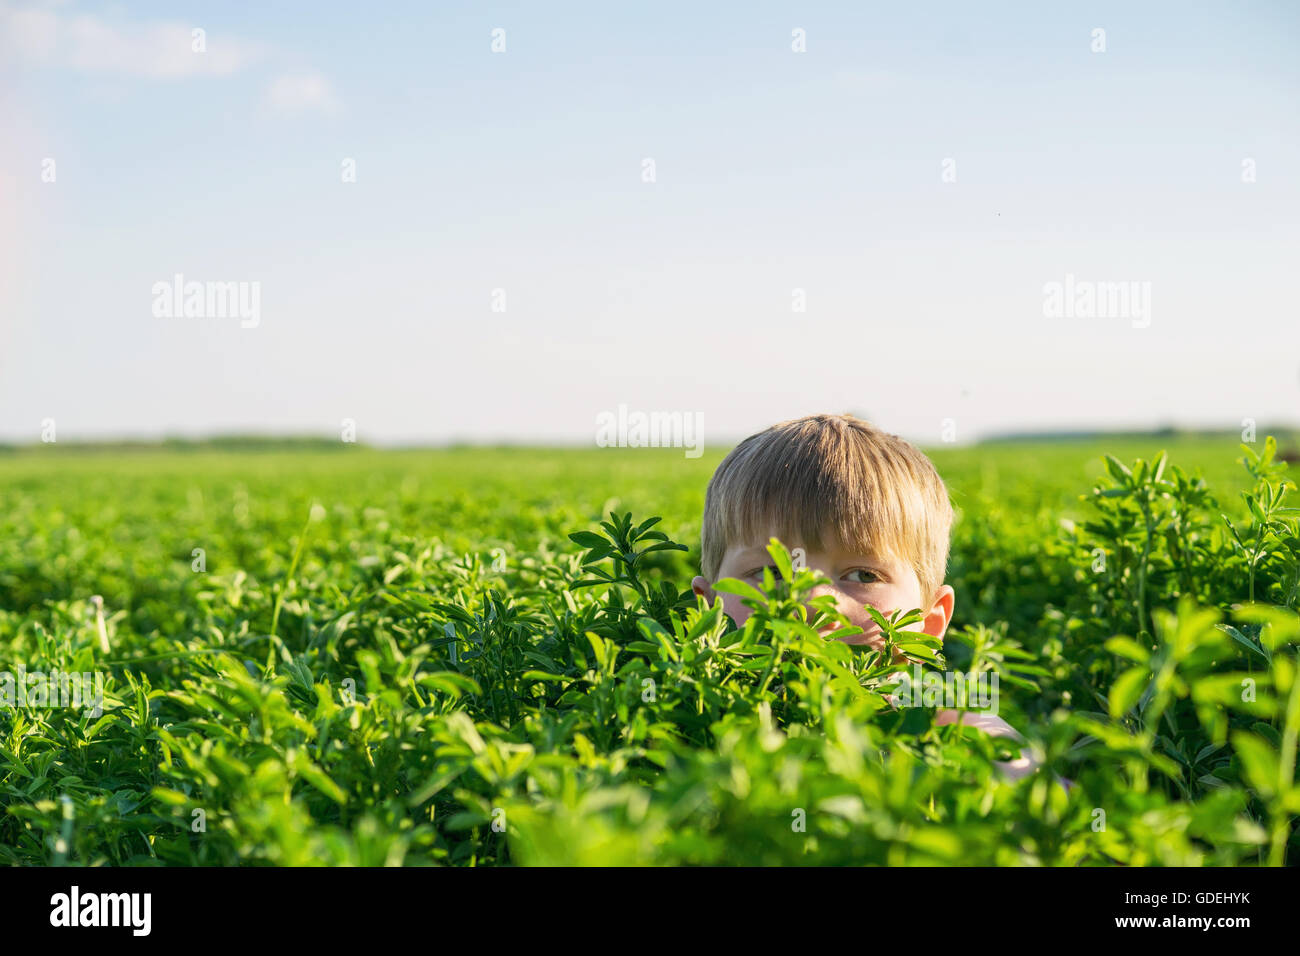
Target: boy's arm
(995, 726)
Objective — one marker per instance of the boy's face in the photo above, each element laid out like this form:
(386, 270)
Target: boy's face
(886, 583)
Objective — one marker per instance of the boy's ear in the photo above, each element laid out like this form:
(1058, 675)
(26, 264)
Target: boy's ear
(937, 618)
(700, 586)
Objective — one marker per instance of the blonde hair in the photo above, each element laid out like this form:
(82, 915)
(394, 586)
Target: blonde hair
(830, 480)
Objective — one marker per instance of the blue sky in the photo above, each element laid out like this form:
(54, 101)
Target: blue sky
(820, 171)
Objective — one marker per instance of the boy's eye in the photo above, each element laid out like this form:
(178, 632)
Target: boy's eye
(865, 576)
(758, 572)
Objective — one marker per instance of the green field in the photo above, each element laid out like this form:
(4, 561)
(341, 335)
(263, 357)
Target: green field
(329, 656)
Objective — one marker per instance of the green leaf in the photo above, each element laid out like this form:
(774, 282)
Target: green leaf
(1119, 471)
(740, 588)
(1126, 690)
(588, 539)
(1128, 648)
(782, 558)
(1259, 761)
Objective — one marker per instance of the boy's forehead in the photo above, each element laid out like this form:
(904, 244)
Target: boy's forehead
(758, 549)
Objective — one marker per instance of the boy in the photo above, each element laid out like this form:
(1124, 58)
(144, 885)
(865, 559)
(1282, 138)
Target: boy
(870, 512)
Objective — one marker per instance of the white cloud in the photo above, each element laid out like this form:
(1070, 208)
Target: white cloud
(43, 37)
(300, 93)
